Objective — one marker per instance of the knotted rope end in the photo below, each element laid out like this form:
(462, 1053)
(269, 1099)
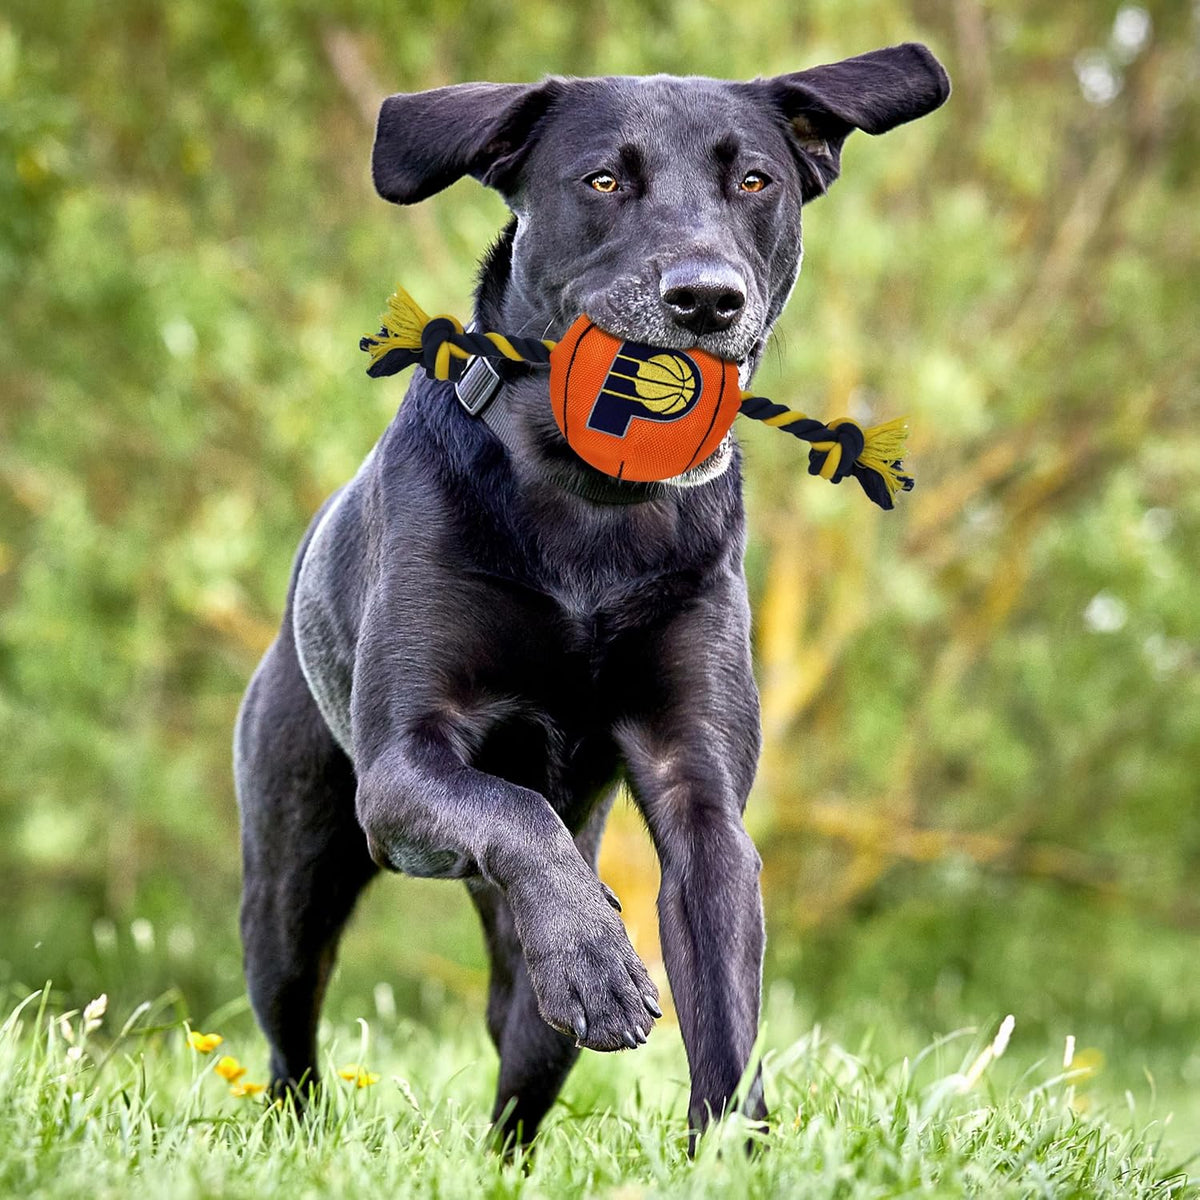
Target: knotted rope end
(842, 448)
(401, 331)
(882, 455)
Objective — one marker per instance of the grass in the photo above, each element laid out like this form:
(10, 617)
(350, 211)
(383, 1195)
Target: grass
(98, 1105)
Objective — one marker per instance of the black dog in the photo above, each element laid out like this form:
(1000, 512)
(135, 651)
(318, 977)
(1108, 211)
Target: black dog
(483, 634)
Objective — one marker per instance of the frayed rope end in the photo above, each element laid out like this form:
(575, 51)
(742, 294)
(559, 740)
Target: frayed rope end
(401, 329)
(882, 452)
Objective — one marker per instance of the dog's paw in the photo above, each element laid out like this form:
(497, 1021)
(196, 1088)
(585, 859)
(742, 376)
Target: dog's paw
(589, 982)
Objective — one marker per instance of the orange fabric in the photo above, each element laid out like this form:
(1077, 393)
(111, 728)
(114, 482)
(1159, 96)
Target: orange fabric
(639, 412)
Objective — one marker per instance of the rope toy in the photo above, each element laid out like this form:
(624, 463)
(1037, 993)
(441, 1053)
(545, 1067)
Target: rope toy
(636, 411)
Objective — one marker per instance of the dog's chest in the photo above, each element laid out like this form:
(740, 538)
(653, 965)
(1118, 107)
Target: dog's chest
(542, 685)
(528, 658)
(553, 750)
(528, 682)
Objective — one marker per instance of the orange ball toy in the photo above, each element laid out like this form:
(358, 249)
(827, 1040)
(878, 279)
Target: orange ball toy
(639, 412)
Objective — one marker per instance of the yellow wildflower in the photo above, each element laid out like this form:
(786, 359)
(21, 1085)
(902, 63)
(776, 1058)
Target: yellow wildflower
(247, 1089)
(204, 1043)
(359, 1076)
(229, 1068)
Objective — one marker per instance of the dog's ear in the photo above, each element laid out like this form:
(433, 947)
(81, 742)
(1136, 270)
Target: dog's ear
(873, 92)
(425, 141)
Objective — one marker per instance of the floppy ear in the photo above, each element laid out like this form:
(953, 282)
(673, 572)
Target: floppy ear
(425, 141)
(873, 92)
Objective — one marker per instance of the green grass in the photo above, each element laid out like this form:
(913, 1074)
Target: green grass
(127, 1107)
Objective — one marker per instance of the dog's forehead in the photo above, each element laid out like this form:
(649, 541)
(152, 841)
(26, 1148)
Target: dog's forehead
(667, 113)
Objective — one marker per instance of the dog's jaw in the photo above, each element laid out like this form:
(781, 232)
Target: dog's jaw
(714, 466)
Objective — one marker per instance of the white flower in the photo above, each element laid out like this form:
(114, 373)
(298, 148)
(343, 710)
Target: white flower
(988, 1054)
(93, 1014)
(1000, 1042)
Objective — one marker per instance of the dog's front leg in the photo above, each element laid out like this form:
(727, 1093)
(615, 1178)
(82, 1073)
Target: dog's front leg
(711, 928)
(691, 761)
(428, 812)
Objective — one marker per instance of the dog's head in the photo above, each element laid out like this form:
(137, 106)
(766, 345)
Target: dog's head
(667, 209)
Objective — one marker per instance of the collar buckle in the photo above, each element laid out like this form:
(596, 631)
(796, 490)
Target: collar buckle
(480, 382)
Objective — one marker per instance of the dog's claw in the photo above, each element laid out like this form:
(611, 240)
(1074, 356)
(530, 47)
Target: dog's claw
(629, 1040)
(641, 1036)
(652, 1006)
(580, 1027)
(611, 896)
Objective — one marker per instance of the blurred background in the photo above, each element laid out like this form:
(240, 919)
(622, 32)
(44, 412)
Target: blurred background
(978, 793)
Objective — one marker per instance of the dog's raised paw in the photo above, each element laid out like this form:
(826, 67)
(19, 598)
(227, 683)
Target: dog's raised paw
(591, 985)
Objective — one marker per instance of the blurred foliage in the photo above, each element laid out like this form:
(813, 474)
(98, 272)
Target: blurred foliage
(982, 711)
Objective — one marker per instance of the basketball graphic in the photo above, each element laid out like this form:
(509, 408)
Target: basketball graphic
(639, 412)
(667, 383)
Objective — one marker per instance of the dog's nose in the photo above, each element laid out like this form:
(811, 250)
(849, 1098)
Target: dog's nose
(703, 296)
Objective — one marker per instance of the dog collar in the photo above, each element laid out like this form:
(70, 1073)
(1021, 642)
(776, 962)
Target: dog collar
(478, 391)
(625, 395)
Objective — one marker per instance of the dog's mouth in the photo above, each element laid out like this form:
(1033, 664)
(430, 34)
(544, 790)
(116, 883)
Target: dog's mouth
(741, 345)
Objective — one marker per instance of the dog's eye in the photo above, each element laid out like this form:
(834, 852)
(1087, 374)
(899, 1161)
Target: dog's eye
(754, 181)
(602, 181)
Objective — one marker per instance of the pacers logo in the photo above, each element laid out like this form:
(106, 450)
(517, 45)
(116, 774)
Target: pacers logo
(639, 412)
(646, 382)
